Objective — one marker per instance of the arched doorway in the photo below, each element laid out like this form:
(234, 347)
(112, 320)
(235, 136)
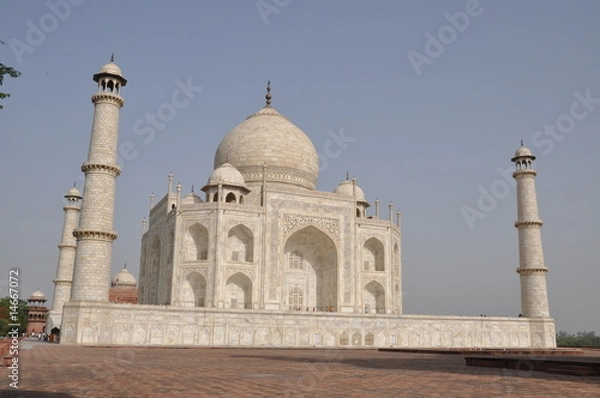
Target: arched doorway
(155, 262)
(310, 264)
(196, 243)
(194, 289)
(240, 244)
(373, 255)
(238, 291)
(374, 298)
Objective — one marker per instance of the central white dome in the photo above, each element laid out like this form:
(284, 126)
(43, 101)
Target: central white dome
(269, 139)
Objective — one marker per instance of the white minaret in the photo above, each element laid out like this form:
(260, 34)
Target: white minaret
(66, 259)
(534, 294)
(95, 235)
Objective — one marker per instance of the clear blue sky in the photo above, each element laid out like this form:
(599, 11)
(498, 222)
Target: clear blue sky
(429, 134)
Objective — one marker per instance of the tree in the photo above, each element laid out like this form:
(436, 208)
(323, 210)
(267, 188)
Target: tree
(580, 339)
(6, 309)
(6, 70)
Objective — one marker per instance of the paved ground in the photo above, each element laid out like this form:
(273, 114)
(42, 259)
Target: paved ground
(50, 370)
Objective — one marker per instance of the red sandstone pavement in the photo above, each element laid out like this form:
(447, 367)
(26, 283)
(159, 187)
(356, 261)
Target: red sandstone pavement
(51, 370)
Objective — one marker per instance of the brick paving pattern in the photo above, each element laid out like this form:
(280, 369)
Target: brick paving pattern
(51, 370)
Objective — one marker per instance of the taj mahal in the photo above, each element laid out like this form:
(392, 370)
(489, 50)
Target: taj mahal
(259, 257)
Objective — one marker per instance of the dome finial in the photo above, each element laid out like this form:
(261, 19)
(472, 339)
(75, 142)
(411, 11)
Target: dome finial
(347, 175)
(125, 266)
(192, 188)
(521, 141)
(112, 57)
(268, 96)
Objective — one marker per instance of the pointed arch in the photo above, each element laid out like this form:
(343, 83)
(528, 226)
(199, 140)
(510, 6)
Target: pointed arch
(373, 255)
(240, 244)
(230, 198)
(194, 289)
(318, 277)
(374, 298)
(155, 261)
(196, 243)
(238, 291)
(295, 260)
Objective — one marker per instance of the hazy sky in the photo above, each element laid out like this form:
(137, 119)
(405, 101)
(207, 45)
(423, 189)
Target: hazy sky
(433, 105)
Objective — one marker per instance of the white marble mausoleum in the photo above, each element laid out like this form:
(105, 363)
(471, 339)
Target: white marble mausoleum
(259, 257)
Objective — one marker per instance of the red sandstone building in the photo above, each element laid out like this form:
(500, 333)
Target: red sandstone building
(38, 313)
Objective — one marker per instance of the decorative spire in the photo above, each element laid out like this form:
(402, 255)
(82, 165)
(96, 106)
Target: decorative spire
(112, 57)
(521, 141)
(125, 265)
(268, 96)
(192, 188)
(347, 175)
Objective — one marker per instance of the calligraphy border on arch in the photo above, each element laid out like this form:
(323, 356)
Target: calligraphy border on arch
(293, 222)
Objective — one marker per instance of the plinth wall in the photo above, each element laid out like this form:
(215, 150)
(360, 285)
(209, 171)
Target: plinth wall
(94, 323)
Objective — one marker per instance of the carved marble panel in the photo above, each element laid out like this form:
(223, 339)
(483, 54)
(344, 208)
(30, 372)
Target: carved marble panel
(293, 222)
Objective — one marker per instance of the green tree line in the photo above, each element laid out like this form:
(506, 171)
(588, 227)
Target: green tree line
(6, 312)
(579, 339)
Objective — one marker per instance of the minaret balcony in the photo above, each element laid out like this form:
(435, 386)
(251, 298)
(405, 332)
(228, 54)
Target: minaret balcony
(529, 271)
(528, 223)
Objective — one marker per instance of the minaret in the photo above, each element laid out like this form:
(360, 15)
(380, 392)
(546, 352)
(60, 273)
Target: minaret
(66, 259)
(534, 294)
(95, 235)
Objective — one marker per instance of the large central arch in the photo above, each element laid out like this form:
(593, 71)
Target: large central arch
(317, 277)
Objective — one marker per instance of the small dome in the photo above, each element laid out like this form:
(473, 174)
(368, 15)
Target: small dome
(190, 199)
(226, 174)
(38, 295)
(124, 278)
(346, 188)
(523, 152)
(73, 192)
(112, 69)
